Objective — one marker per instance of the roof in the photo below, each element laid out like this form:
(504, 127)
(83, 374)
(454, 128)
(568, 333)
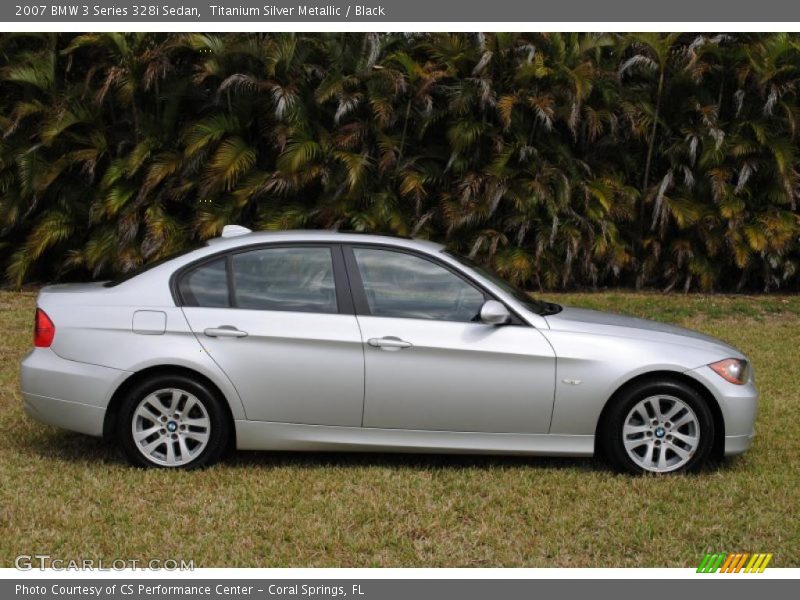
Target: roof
(321, 235)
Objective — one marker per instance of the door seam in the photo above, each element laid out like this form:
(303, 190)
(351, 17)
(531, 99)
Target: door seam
(360, 334)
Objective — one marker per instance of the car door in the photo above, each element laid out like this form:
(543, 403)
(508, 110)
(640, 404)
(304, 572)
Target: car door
(279, 321)
(430, 364)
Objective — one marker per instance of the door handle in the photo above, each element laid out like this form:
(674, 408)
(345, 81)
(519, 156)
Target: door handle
(225, 331)
(389, 343)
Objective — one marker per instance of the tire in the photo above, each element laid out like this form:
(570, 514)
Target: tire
(187, 424)
(676, 437)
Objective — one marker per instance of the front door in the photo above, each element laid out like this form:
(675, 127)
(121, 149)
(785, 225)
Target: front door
(430, 364)
(272, 319)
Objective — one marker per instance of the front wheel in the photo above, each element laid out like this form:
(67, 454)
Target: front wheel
(658, 427)
(172, 421)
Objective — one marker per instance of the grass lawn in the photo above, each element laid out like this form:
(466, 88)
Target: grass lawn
(74, 497)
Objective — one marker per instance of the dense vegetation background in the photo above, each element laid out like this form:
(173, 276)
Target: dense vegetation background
(563, 160)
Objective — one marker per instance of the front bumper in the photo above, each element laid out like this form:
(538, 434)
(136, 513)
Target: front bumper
(737, 444)
(739, 407)
(65, 393)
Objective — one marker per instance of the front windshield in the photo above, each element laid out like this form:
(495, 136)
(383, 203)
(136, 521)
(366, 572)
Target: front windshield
(537, 306)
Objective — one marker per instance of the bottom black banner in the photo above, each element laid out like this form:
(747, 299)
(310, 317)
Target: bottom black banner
(731, 587)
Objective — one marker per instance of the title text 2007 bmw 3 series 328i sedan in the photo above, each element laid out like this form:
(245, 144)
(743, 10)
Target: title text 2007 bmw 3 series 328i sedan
(334, 341)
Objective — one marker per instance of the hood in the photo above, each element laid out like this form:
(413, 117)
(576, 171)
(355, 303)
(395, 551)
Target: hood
(602, 323)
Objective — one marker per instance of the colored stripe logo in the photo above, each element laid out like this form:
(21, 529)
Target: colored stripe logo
(742, 562)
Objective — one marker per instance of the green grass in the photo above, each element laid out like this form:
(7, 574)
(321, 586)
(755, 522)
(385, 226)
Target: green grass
(74, 497)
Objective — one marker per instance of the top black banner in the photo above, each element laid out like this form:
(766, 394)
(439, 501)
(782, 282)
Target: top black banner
(386, 11)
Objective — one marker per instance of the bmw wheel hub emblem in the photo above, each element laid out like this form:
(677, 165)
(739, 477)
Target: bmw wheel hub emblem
(660, 432)
(172, 426)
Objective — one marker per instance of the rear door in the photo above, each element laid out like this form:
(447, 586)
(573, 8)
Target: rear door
(279, 321)
(430, 363)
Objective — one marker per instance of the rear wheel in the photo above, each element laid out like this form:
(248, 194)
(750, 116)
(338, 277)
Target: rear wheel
(658, 427)
(172, 421)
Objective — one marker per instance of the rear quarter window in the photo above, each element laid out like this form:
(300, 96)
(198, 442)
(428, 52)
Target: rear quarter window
(206, 285)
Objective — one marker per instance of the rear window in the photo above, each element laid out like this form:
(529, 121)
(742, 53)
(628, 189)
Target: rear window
(151, 265)
(296, 279)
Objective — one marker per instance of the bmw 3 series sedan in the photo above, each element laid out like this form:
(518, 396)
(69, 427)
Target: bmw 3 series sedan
(333, 341)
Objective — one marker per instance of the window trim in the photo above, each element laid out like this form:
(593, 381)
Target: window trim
(359, 296)
(344, 299)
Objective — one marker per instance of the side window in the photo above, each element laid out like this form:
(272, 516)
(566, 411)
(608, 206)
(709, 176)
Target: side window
(292, 279)
(403, 285)
(206, 285)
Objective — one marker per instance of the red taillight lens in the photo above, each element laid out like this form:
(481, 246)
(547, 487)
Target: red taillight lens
(43, 330)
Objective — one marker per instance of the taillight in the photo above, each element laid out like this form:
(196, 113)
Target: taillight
(43, 330)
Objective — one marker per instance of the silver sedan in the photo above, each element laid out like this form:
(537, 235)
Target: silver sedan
(334, 341)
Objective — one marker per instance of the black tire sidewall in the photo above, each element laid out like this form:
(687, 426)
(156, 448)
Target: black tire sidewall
(220, 428)
(611, 433)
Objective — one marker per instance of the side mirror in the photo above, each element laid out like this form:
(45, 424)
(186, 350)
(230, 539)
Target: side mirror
(495, 313)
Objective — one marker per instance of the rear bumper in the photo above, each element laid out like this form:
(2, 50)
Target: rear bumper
(66, 393)
(74, 416)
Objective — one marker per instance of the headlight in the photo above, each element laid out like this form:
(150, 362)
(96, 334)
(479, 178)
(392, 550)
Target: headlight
(731, 369)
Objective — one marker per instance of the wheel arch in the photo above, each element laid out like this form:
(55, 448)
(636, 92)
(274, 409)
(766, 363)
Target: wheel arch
(718, 448)
(114, 404)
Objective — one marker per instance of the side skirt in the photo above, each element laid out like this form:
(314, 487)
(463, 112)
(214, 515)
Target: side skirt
(263, 435)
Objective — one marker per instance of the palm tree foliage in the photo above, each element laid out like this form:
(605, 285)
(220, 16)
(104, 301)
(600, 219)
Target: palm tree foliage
(560, 159)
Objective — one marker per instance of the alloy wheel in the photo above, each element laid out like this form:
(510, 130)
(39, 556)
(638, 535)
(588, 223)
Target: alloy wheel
(661, 433)
(171, 427)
